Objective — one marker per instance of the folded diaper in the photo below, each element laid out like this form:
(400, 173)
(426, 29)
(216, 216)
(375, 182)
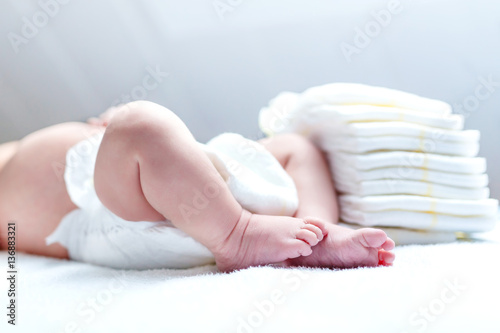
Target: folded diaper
(350, 175)
(283, 112)
(355, 93)
(402, 186)
(419, 220)
(396, 128)
(290, 119)
(95, 235)
(363, 113)
(403, 159)
(333, 131)
(417, 203)
(352, 144)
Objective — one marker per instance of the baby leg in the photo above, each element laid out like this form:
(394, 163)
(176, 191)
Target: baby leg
(150, 168)
(307, 166)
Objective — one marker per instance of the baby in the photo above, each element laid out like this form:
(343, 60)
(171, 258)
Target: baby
(147, 167)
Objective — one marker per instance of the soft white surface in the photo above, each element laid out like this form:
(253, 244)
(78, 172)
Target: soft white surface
(54, 293)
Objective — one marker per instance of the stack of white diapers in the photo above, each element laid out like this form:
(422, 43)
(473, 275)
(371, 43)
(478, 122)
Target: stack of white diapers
(398, 161)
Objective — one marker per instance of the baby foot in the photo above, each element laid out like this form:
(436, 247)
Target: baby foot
(261, 240)
(344, 247)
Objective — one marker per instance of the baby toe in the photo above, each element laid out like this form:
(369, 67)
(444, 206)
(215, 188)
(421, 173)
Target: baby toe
(369, 237)
(386, 258)
(320, 224)
(308, 236)
(388, 245)
(315, 229)
(299, 247)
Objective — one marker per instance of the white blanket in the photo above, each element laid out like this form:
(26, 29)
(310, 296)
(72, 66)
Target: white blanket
(439, 288)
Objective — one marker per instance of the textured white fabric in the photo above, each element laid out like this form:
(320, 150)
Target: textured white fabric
(68, 296)
(93, 234)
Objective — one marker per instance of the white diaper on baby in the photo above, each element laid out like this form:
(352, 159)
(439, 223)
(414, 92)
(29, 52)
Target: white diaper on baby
(254, 176)
(95, 235)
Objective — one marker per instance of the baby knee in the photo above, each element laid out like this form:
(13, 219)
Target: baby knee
(141, 117)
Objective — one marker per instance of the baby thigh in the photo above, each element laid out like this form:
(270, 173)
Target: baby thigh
(150, 168)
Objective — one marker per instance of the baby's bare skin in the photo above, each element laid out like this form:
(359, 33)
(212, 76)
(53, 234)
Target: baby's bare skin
(136, 179)
(32, 190)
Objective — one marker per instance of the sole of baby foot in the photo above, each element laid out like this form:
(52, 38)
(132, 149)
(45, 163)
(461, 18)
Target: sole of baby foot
(346, 248)
(261, 239)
